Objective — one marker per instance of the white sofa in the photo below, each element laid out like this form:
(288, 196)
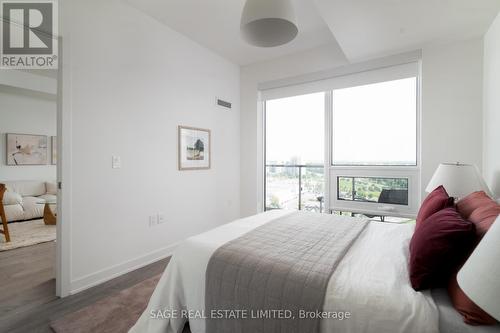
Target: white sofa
(25, 199)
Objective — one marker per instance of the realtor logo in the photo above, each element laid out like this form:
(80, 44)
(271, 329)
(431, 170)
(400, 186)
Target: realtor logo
(29, 34)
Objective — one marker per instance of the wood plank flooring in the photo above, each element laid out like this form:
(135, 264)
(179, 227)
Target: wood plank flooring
(35, 316)
(27, 277)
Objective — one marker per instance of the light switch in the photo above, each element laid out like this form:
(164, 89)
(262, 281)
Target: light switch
(161, 218)
(116, 162)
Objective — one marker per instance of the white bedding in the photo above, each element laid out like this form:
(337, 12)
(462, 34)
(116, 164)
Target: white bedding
(371, 283)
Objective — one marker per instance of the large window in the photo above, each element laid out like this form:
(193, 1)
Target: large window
(374, 148)
(366, 160)
(375, 124)
(295, 152)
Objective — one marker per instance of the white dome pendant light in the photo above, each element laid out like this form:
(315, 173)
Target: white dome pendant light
(268, 23)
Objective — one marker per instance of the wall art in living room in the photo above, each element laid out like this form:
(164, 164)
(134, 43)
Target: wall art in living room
(26, 149)
(194, 148)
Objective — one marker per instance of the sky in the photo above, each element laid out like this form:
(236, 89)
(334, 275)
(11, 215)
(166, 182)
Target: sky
(295, 127)
(372, 124)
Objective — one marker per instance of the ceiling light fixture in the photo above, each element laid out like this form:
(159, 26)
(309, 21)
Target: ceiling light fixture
(268, 23)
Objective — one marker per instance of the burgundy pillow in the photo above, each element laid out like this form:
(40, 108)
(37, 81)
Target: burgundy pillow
(434, 202)
(473, 314)
(441, 242)
(471, 202)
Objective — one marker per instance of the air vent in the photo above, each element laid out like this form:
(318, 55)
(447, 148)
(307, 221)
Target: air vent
(222, 103)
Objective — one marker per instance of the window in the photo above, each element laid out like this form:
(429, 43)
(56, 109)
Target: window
(295, 152)
(370, 142)
(374, 148)
(370, 189)
(375, 124)
(391, 191)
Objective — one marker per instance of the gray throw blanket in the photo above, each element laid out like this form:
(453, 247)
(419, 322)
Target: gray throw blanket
(275, 272)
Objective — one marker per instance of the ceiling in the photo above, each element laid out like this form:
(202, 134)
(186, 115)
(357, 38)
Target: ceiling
(215, 24)
(367, 28)
(359, 29)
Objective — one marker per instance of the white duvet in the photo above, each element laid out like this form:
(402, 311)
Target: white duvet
(371, 283)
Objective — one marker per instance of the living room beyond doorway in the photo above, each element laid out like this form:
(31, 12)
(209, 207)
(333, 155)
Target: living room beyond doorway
(28, 190)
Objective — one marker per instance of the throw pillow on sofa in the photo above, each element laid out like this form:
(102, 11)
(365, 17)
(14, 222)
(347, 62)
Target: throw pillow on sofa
(12, 198)
(51, 188)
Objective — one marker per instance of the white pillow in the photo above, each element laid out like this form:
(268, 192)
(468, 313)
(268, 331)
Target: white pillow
(12, 198)
(51, 188)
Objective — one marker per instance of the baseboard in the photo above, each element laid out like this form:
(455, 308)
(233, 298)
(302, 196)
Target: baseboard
(94, 279)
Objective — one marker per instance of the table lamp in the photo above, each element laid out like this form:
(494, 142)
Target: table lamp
(479, 278)
(458, 179)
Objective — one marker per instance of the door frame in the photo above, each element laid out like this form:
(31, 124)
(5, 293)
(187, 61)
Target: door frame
(64, 126)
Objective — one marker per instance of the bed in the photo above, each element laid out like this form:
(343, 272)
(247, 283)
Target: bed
(450, 321)
(370, 282)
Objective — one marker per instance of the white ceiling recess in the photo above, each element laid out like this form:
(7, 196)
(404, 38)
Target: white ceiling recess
(358, 29)
(215, 24)
(370, 28)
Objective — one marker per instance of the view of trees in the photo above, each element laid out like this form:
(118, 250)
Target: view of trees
(368, 188)
(282, 190)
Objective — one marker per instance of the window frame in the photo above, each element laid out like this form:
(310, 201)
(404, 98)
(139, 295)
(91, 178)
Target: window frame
(353, 188)
(411, 172)
(374, 208)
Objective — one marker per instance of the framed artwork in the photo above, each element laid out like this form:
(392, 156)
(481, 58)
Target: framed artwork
(26, 149)
(194, 148)
(54, 150)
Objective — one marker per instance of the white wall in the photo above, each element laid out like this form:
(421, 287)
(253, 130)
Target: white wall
(451, 108)
(491, 152)
(26, 112)
(452, 80)
(133, 81)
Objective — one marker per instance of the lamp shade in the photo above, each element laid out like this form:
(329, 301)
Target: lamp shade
(459, 180)
(479, 277)
(268, 23)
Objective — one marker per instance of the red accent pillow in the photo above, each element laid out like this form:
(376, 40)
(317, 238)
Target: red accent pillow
(480, 209)
(473, 314)
(437, 247)
(484, 216)
(468, 204)
(434, 202)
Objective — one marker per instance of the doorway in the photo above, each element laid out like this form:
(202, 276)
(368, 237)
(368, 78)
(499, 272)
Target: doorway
(28, 171)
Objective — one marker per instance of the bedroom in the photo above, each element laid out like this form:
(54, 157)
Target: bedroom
(134, 71)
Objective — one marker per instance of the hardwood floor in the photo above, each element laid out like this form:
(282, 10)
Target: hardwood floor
(27, 278)
(35, 316)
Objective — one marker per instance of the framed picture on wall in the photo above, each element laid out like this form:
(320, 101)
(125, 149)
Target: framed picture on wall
(54, 150)
(194, 148)
(26, 149)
